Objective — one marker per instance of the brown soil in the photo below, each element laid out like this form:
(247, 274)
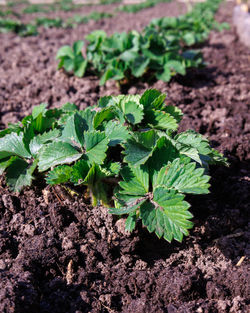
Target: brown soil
(66, 256)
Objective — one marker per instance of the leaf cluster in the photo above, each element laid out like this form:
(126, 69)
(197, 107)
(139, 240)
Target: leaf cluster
(136, 7)
(191, 28)
(11, 25)
(125, 150)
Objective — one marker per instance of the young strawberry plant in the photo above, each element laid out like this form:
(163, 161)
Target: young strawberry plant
(125, 150)
(126, 56)
(191, 28)
(71, 59)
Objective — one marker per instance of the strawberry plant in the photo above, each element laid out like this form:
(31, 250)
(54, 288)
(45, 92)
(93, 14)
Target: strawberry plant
(10, 25)
(125, 150)
(191, 28)
(123, 57)
(71, 59)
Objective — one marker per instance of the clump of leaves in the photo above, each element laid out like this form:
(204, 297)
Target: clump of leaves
(10, 25)
(71, 59)
(191, 28)
(49, 22)
(136, 7)
(125, 150)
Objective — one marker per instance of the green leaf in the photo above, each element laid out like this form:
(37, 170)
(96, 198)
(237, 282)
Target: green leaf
(140, 148)
(77, 46)
(96, 144)
(135, 181)
(88, 115)
(65, 51)
(133, 112)
(177, 66)
(164, 75)
(59, 175)
(4, 163)
(175, 112)
(39, 109)
(69, 107)
(148, 97)
(13, 144)
(183, 177)
(38, 141)
(168, 217)
(56, 153)
(112, 169)
(19, 174)
(81, 68)
(105, 115)
(116, 133)
(73, 131)
(139, 66)
(192, 145)
(126, 210)
(79, 172)
(161, 120)
(131, 222)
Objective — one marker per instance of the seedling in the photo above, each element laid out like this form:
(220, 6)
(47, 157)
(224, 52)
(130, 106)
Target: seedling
(125, 151)
(71, 59)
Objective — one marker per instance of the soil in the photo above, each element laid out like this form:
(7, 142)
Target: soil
(59, 254)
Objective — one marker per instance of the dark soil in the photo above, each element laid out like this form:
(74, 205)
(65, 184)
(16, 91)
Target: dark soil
(61, 255)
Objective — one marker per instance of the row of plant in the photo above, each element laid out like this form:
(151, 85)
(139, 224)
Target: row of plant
(62, 5)
(136, 7)
(160, 51)
(125, 152)
(31, 29)
(191, 28)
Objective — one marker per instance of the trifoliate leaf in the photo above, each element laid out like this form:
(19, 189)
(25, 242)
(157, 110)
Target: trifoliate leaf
(116, 133)
(56, 153)
(59, 175)
(19, 174)
(38, 141)
(73, 131)
(148, 97)
(192, 145)
(161, 120)
(13, 144)
(168, 216)
(96, 144)
(140, 148)
(135, 181)
(184, 177)
(133, 112)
